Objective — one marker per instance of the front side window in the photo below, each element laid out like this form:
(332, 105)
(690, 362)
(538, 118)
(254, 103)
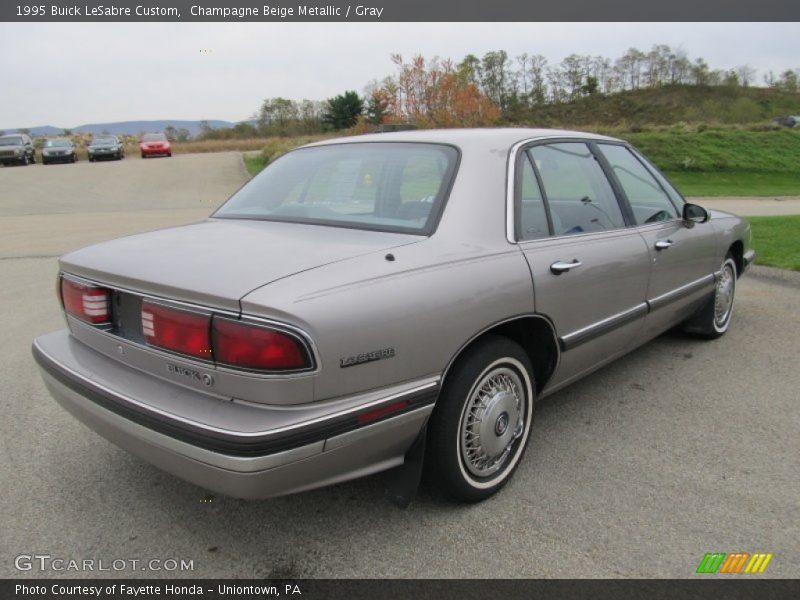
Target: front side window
(381, 186)
(580, 198)
(647, 198)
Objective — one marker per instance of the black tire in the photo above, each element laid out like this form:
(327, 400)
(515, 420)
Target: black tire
(33, 158)
(144, 155)
(713, 318)
(169, 155)
(468, 470)
(24, 161)
(74, 158)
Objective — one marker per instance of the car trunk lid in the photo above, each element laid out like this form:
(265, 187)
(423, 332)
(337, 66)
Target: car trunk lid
(218, 261)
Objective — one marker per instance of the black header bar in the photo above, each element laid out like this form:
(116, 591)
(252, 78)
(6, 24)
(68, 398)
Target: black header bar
(400, 10)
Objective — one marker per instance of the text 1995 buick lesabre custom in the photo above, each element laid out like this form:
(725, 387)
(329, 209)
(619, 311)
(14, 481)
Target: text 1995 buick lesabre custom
(367, 302)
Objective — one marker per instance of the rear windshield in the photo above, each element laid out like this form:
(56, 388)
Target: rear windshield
(383, 186)
(154, 137)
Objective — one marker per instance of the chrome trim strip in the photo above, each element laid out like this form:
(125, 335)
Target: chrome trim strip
(585, 334)
(429, 384)
(680, 292)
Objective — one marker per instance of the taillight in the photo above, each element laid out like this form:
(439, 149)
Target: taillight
(248, 346)
(176, 330)
(86, 302)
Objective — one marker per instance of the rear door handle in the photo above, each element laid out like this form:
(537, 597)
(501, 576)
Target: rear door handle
(559, 267)
(664, 244)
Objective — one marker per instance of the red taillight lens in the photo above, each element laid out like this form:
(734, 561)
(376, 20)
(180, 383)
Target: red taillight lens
(88, 303)
(254, 347)
(177, 330)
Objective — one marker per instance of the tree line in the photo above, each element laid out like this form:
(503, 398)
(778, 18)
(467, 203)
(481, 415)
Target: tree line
(487, 90)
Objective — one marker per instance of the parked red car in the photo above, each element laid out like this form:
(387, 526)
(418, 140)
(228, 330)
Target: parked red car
(155, 144)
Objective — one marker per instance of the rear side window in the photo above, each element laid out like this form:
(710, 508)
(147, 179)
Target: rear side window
(647, 198)
(580, 198)
(381, 186)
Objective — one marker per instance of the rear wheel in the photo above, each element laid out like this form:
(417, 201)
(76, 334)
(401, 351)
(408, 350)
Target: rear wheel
(482, 420)
(713, 319)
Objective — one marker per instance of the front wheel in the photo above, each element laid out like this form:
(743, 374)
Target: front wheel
(713, 319)
(481, 423)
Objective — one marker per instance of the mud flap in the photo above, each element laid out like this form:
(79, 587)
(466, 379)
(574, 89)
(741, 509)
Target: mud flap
(402, 482)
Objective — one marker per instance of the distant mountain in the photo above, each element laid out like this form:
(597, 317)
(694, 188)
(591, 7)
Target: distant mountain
(128, 127)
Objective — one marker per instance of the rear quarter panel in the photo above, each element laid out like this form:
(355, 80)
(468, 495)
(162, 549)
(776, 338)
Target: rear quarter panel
(424, 306)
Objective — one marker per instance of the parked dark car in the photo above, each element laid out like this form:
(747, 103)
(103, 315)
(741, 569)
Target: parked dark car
(105, 146)
(59, 150)
(17, 148)
(155, 144)
(787, 121)
(369, 302)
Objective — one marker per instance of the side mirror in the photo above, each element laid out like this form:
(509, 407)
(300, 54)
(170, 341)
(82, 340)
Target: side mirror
(692, 213)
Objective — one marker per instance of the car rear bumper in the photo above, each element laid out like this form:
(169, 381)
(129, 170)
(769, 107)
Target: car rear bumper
(259, 463)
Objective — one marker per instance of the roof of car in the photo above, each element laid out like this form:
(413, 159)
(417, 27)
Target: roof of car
(506, 136)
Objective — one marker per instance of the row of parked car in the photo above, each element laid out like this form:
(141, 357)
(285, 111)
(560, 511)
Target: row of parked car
(18, 148)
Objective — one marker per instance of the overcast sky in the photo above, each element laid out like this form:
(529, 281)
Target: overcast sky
(70, 74)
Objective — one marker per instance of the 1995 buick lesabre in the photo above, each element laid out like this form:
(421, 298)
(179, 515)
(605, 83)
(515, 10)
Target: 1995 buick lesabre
(367, 303)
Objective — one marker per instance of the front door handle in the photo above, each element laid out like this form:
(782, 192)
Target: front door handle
(664, 244)
(559, 267)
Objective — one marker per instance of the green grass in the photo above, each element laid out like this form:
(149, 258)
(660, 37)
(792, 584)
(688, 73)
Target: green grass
(254, 162)
(777, 241)
(721, 149)
(736, 183)
(665, 105)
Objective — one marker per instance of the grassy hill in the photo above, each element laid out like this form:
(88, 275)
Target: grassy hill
(725, 161)
(667, 105)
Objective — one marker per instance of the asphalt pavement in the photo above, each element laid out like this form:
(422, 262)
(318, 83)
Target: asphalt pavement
(680, 448)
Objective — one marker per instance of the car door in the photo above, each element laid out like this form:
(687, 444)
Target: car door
(682, 255)
(589, 268)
